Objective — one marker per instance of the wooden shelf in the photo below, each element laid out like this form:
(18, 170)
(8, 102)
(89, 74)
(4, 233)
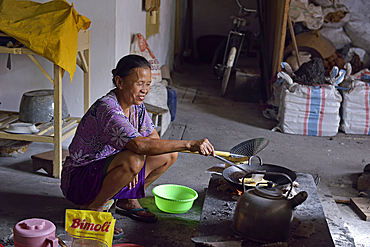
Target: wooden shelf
(46, 133)
(61, 129)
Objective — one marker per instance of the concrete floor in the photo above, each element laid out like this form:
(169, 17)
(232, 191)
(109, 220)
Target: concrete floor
(201, 112)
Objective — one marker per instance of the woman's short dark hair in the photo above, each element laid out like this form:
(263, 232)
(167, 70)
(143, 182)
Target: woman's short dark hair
(127, 64)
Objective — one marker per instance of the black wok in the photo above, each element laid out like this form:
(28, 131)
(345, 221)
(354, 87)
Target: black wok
(232, 174)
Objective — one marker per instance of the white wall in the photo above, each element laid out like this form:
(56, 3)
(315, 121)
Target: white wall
(103, 41)
(162, 44)
(132, 20)
(113, 23)
(129, 21)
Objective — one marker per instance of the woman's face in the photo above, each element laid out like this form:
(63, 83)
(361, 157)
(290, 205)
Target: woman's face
(134, 87)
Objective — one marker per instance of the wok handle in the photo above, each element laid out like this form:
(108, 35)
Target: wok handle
(270, 173)
(230, 163)
(229, 156)
(220, 153)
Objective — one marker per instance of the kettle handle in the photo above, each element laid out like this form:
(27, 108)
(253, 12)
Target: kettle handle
(255, 156)
(270, 173)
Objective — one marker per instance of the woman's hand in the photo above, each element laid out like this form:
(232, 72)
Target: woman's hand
(203, 146)
(133, 183)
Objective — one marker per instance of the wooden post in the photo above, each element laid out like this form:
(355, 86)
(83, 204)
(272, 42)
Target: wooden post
(87, 87)
(278, 54)
(294, 41)
(58, 121)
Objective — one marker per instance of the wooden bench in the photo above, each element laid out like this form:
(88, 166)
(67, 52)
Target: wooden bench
(46, 161)
(157, 112)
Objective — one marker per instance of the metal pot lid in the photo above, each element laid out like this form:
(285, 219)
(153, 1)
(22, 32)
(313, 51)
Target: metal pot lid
(268, 192)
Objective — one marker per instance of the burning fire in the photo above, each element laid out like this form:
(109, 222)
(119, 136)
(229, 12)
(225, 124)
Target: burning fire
(227, 188)
(237, 192)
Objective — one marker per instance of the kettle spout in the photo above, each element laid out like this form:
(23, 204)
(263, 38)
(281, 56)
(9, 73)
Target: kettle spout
(298, 199)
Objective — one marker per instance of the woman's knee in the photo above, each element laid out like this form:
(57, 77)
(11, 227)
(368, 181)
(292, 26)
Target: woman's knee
(129, 161)
(170, 160)
(136, 163)
(173, 157)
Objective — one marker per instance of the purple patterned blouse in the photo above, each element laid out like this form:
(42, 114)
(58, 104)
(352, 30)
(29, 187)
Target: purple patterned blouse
(105, 130)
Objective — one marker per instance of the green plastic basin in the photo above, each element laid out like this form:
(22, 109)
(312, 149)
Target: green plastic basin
(173, 198)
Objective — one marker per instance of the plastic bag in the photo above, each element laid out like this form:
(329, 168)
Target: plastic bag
(140, 47)
(89, 228)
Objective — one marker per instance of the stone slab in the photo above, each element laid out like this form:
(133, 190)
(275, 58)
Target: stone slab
(218, 212)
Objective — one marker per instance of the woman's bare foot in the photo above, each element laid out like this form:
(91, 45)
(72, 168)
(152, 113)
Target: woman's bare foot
(129, 204)
(117, 230)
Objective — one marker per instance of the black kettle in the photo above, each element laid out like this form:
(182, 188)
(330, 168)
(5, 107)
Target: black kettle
(264, 214)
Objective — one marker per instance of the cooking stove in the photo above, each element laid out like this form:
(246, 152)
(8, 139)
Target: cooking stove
(218, 211)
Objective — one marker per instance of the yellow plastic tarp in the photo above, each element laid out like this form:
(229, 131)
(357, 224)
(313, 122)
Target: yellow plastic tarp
(50, 29)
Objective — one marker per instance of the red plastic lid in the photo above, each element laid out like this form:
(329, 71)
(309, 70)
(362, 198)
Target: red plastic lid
(34, 228)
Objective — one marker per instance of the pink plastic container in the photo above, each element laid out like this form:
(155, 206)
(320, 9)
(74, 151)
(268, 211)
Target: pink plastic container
(35, 233)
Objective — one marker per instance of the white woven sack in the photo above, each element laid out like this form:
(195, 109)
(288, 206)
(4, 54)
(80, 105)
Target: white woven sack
(358, 30)
(157, 96)
(336, 35)
(334, 8)
(298, 102)
(278, 86)
(310, 115)
(293, 125)
(323, 3)
(310, 110)
(356, 105)
(310, 14)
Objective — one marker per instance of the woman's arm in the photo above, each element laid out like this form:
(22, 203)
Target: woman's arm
(155, 146)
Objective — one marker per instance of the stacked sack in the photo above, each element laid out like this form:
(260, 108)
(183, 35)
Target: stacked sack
(310, 109)
(356, 104)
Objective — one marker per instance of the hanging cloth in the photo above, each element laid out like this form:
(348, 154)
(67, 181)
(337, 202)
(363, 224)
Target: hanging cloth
(50, 29)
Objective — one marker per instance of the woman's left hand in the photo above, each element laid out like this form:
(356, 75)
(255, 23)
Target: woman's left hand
(133, 183)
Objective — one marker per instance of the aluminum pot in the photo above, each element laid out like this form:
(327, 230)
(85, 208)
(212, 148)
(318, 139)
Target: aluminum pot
(38, 107)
